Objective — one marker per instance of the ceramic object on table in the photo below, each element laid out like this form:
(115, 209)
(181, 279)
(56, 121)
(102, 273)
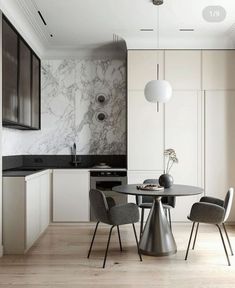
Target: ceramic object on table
(166, 180)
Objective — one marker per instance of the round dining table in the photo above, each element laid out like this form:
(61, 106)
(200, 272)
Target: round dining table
(157, 238)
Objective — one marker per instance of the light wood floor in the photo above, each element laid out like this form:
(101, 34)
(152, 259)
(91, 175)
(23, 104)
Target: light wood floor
(58, 259)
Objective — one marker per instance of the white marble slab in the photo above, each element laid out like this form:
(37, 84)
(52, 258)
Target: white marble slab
(69, 110)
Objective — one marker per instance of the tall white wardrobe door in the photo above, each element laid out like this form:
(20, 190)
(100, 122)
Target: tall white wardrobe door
(220, 144)
(184, 133)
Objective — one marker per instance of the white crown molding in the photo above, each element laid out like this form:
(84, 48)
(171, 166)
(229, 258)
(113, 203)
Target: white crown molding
(30, 11)
(101, 53)
(14, 13)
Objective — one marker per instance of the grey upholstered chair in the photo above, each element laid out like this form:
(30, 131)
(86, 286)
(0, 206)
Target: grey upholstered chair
(106, 211)
(145, 202)
(211, 210)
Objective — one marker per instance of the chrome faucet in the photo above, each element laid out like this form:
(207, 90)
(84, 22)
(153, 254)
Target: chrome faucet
(75, 158)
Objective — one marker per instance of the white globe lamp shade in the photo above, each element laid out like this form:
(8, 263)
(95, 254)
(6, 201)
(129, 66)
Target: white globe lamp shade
(158, 91)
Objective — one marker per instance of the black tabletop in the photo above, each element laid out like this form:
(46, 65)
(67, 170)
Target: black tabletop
(175, 190)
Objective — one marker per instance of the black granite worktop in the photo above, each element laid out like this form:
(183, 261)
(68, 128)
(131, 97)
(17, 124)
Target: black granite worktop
(24, 165)
(19, 173)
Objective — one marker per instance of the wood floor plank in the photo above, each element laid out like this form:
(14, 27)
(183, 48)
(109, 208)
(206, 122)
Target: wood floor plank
(59, 259)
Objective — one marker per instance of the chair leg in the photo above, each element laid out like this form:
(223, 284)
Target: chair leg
(222, 238)
(119, 237)
(107, 248)
(93, 238)
(230, 246)
(189, 242)
(141, 221)
(195, 237)
(137, 243)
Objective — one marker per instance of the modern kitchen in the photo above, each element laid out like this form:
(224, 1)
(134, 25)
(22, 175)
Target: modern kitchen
(118, 136)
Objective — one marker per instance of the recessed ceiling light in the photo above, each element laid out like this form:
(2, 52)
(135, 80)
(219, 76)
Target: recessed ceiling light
(146, 30)
(186, 30)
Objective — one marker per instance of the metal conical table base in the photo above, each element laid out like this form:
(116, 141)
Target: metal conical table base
(157, 238)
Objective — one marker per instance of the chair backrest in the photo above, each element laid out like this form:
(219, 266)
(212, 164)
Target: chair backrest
(99, 205)
(228, 203)
(169, 200)
(146, 199)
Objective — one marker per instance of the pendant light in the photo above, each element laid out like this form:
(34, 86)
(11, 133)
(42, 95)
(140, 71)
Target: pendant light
(158, 91)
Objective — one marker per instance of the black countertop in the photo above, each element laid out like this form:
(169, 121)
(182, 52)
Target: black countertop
(24, 165)
(18, 173)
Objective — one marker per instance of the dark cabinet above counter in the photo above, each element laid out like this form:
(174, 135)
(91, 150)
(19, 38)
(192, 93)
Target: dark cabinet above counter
(21, 81)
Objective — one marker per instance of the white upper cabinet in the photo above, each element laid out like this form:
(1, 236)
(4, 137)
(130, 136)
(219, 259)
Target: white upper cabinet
(142, 67)
(145, 133)
(218, 71)
(183, 69)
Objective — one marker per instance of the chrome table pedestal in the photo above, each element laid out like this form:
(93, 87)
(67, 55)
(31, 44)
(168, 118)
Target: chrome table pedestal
(157, 238)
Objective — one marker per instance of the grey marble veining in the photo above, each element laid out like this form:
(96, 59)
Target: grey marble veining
(70, 109)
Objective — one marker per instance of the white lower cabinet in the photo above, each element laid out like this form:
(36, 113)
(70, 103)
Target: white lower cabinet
(45, 201)
(32, 211)
(71, 195)
(26, 210)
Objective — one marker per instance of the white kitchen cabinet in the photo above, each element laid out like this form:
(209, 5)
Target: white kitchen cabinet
(218, 69)
(200, 128)
(32, 210)
(183, 69)
(71, 195)
(145, 134)
(45, 201)
(184, 132)
(142, 67)
(219, 144)
(26, 210)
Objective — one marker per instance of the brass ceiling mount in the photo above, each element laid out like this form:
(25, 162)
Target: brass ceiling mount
(157, 2)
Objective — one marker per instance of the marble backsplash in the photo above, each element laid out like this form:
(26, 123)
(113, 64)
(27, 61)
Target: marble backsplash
(70, 110)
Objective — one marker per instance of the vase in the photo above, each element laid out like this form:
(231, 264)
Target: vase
(166, 180)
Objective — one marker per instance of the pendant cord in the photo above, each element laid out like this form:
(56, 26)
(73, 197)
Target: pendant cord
(158, 45)
(158, 28)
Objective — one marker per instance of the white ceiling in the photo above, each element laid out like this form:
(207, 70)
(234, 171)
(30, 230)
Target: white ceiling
(91, 24)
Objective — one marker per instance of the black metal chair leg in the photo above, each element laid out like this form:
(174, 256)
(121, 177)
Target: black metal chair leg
(93, 238)
(195, 237)
(107, 248)
(119, 237)
(222, 238)
(137, 243)
(189, 242)
(142, 221)
(230, 246)
(169, 215)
